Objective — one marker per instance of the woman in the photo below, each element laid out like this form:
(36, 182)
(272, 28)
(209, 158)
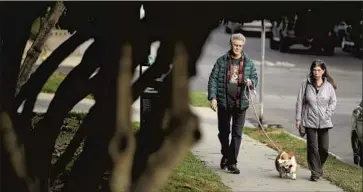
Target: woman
(315, 106)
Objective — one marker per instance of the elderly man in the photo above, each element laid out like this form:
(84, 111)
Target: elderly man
(231, 73)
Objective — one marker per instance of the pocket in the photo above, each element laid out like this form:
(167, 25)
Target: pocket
(311, 117)
(307, 113)
(327, 117)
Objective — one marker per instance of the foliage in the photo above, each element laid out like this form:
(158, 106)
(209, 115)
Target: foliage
(35, 28)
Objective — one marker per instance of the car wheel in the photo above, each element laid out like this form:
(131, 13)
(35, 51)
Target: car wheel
(357, 150)
(228, 30)
(274, 45)
(344, 48)
(283, 47)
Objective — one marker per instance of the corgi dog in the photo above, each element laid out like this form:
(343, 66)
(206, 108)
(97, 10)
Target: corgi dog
(286, 165)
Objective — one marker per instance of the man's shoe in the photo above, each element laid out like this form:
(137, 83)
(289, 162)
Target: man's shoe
(233, 169)
(223, 162)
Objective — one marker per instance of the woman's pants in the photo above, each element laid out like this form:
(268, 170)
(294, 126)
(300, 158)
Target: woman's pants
(317, 141)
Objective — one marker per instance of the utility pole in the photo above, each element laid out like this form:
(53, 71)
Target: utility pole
(263, 38)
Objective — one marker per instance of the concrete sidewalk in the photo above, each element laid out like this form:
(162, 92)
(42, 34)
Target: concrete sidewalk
(256, 161)
(44, 99)
(70, 61)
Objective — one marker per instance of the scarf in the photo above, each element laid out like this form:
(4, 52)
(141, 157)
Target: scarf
(240, 78)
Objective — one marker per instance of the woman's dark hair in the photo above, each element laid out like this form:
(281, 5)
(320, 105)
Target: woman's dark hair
(322, 65)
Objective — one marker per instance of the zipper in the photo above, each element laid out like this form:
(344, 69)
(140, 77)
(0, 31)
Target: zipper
(317, 104)
(226, 83)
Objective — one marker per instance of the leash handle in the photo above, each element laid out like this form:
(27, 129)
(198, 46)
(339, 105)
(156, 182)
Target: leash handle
(249, 98)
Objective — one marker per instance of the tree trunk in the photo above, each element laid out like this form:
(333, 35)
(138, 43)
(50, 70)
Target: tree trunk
(33, 53)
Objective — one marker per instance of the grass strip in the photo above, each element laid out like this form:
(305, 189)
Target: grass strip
(343, 175)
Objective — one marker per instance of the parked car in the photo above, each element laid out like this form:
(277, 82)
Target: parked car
(357, 134)
(249, 27)
(305, 29)
(233, 27)
(352, 41)
(256, 26)
(340, 30)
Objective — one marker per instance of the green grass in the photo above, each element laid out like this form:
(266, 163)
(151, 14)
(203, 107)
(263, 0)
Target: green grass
(198, 99)
(35, 28)
(346, 176)
(53, 83)
(190, 175)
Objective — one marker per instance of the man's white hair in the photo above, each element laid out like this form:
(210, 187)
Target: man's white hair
(238, 36)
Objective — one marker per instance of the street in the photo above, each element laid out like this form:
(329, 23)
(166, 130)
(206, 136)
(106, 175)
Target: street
(282, 79)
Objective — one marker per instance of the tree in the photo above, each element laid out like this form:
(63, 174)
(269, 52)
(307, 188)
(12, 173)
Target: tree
(47, 23)
(97, 20)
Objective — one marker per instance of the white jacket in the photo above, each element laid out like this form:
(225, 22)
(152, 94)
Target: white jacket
(319, 107)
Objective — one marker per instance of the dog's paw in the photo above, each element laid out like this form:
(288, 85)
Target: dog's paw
(280, 174)
(293, 177)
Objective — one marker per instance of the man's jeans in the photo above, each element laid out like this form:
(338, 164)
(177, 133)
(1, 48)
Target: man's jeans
(230, 150)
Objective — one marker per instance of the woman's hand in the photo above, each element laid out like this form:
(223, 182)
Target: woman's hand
(298, 122)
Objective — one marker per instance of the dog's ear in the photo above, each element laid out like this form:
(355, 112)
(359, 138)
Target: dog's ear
(291, 154)
(282, 154)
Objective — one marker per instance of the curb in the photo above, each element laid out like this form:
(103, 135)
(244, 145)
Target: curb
(283, 64)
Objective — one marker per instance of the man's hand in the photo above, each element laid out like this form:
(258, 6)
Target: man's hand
(298, 124)
(213, 104)
(248, 82)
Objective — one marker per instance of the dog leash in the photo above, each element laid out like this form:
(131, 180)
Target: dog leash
(250, 98)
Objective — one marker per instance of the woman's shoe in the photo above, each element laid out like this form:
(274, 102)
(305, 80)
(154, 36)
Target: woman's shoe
(315, 179)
